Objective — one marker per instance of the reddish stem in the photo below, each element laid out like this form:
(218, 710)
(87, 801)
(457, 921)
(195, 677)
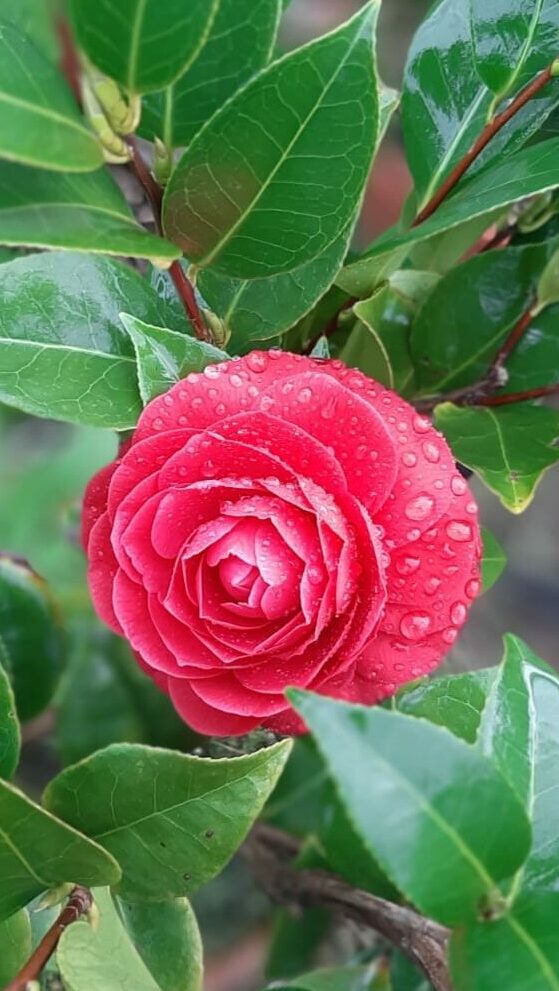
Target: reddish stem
(489, 132)
(514, 338)
(79, 903)
(519, 397)
(183, 285)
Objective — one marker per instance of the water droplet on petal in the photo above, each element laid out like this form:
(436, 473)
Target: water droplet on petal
(458, 485)
(421, 424)
(458, 531)
(449, 635)
(158, 423)
(409, 459)
(415, 625)
(257, 362)
(471, 508)
(236, 381)
(431, 452)
(305, 395)
(458, 613)
(472, 588)
(419, 507)
(407, 565)
(432, 584)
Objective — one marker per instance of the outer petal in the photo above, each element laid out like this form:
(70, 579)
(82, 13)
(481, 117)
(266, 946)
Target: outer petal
(206, 718)
(102, 570)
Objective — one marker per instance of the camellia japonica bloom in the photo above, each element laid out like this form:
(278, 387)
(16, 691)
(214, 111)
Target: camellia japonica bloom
(281, 520)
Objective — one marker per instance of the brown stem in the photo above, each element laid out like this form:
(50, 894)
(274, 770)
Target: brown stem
(490, 130)
(269, 853)
(79, 903)
(183, 285)
(520, 397)
(500, 239)
(496, 376)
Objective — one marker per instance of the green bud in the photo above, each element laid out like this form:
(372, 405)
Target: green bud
(54, 897)
(115, 150)
(163, 162)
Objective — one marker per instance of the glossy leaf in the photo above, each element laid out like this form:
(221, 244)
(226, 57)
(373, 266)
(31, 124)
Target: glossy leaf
(38, 851)
(164, 356)
(379, 344)
(494, 560)
(143, 44)
(510, 448)
(63, 351)
(168, 940)
(172, 820)
(519, 732)
(296, 941)
(303, 794)
(102, 958)
(239, 42)
(259, 310)
(10, 738)
(445, 103)
(269, 183)
(533, 170)
(456, 702)
(513, 40)
(31, 639)
(36, 20)
(15, 945)
(40, 209)
(402, 781)
(39, 121)
(349, 856)
(468, 315)
(519, 952)
(405, 977)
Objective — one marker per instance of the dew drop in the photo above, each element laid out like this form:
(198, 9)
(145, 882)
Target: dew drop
(415, 625)
(460, 532)
(458, 613)
(449, 635)
(421, 424)
(183, 421)
(305, 395)
(412, 535)
(432, 585)
(419, 507)
(314, 576)
(409, 459)
(256, 362)
(168, 400)
(212, 371)
(472, 588)
(458, 485)
(158, 423)
(431, 452)
(407, 565)
(236, 381)
(221, 409)
(471, 508)
(400, 668)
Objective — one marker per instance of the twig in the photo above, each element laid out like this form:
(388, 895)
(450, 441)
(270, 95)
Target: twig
(489, 132)
(269, 852)
(183, 285)
(79, 903)
(520, 397)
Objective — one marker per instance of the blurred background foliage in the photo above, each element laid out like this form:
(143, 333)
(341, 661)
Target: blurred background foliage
(102, 697)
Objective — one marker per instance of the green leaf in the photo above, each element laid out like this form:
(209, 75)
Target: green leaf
(172, 820)
(40, 480)
(164, 356)
(335, 979)
(257, 310)
(548, 285)
(168, 940)
(321, 349)
(379, 343)
(36, 20)
(519, 732)
(81, 212)
(295, 941)
(38, 851)
(513, 41)
(510, 448)
(348, 855)
(15, 945)
(402, 781)
(94, 706)
(63, 351)
(268, 184)
(533, 170)
(143, 44)
(456, 702)
(39, 121)
(404, 975)
(10, 737)
(494, 560)
(31, 641)
(104, 958)
(240, 42)
(445, 103)
(519, 952)
(303, 794)
(468, 315)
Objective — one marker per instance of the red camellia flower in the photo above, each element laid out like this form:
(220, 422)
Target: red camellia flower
(280, 520)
